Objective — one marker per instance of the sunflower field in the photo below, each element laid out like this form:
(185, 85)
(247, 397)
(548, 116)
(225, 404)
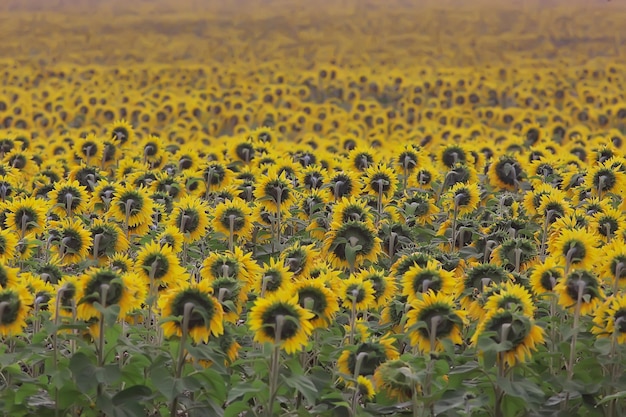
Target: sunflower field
(342, 208)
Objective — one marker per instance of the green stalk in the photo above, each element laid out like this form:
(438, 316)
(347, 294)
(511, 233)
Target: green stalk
(275, 365)
(180, 362)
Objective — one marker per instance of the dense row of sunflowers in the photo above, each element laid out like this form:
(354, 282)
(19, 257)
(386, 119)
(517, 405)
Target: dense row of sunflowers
(383, 242)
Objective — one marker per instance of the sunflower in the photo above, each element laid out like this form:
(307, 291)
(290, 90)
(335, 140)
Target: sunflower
(68, 198)
(274, 276)
(350, 244)
(15, 305)
(205, 317)
(462, 198)
(167, 184)
(604, 178)
(313, 177)
(26, 216)
(107, 238)
(575, 248)
(171, 236)
(452, 154)
(102, 196)
(152, 149)
(132, 206)
(279, 318)
(230, 264)
(460, 173)
(506, 173)
(190, 215)
(516, 254)
(395, 377)
(118, 289)
(365, 388)
(243, 151)
(475, 286)
(418, 209)
(215, 175)
(274, 191)
(88, 149)
(579, 284)
(380, 181)
(351, 209)
(512, 297)
(384, 285)
(610, 319)
(317, 298)
(426, 175)
(360, 159)
(553, 205)
(607, 223)
(357, 292)
(87, 176)
(343, 183)
(431, 277)
(73, 238)
(432, 318)
(299, 258)
(408, 160)
(122, 133)
(8, 245)
(63, 302)
(41, 290)
(122, 263)
(544, 276)
(520, 333)
(369, 355)
(233, 216)
(186, 160)
(159, 264)
(8, 276)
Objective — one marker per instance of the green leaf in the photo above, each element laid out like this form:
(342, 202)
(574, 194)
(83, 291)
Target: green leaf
(83, 371)
(243, 388)
(236, 408)
(616, 396)
(25, 391)
(132, 394)
(303, 385)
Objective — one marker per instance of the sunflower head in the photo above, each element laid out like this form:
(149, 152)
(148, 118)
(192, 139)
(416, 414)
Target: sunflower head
(580, 289)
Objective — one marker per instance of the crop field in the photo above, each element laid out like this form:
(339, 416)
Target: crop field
(281, 208)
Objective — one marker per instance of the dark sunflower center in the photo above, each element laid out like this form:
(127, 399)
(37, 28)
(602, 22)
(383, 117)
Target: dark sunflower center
(375, 356)
(225, 268)
(108, 239)
(93, 289)
(380, 182)
(12, 309)
(452, 156)
(201, 302)
(313, 299)
(479, 276)
(277, 190)
(358, 233)
(26, 216)
(121, 134)
(215, 174)
(109, 152)
(352, 213)
(532, 136)
(517, 332)
(156, 264)
(462, 197)
(584, 280)
(313, 181)
(18, 161)
(185, 162)
(379, 284)
(150, 149)
(245, 152)
(89, 149)
(420, 206)
(427, 278)
(458, 174)
(408, 161)
(273, 280)
(3, 248)
(170, 187)
(135, 200)
(239, 220)
(295, 260)
(72, 240)
(355, 293)
(549, 279)
(69, 193)
(615, 265)
(362, 161)
(107, 193)
(67, 295)
(425, 177)
(604, 180)
(444, 326)
(607, 226)
(621, 326)
(342, 185)
(575, 249)
(87, 176)
(508, 171)
(290, 325)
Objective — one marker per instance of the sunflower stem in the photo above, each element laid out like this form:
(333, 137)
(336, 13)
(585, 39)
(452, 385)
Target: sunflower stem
(618, 273)
(572, 349)
(613, 410)
(275, 364)
(432, 333)
(355, 294)
(231, 231)
(279, 194)
(544, 236)
(357, 370)
(180, 362)
(454, 216)
(68, 204)
(128, 206)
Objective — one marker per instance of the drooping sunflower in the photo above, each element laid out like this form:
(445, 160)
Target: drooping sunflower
(610, 319)
(394, 378)
(274, 276)
(553, 205)
(190, 215)
(26, 215)
(506, 173)
(603, 179)
(343, 183)
(299, 258)
(15, 302)
(607, 223)
(361, 159)
(418, 209)
(351, 244)
(122, 133)
(612, 265)
(452, 154)
(406, 261)
(434, 317)
(519, 330)
(356, 292)
(72, 238)
(512, 297)
(108, 287)
(107, 239)
(41, 290)
(102, 196)
(380, 181)
(432, 277)
(473, 288)
(365, 388)
(243, 151)
(383, 284)
(8, 276)
(215, 175)
(575, 248)
(8, 244)
(171, 236)
(274, 191)
(351, 209)
(159, 264)
(516, 254)
(425, 176)
(89, 149)
(205, 313)
(131, 206)
(316, 297)
(279, 318)
(122, 263)
(370, 353)
(233, 215)
(68, 198)
(544, 276)
(462, 197)
(313, 177)
(583, 285)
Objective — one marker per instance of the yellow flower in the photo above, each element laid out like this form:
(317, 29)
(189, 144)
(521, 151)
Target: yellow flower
(236, 213)
(15, 305)
(190, 216)
(418, 281)
(579, 286)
